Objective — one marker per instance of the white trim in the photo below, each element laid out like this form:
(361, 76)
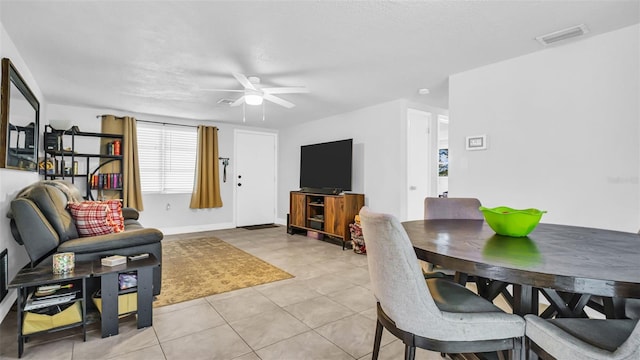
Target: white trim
(196, 228)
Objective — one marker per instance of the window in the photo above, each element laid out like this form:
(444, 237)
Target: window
(167, 157)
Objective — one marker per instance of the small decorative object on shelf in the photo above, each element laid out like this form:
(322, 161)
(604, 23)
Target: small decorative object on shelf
(113, 260)
(63, 263)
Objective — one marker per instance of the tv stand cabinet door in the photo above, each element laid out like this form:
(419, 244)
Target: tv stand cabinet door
(298, 209)
(334, 221)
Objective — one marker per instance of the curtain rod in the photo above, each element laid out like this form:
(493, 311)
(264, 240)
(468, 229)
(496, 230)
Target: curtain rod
(155, 122)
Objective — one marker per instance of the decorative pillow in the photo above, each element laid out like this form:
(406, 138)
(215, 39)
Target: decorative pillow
(116, 214)
(91, 218)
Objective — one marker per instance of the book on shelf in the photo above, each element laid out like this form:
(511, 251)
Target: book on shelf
(34, 302)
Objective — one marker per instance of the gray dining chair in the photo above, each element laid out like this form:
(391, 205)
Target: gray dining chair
(452, 209)
(579, 338)
(434, 314)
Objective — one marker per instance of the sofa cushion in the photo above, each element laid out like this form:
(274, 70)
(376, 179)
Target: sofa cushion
(92, 218)
(52, 202)
(115, 205)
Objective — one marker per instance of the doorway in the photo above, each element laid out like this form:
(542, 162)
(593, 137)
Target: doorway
(419, 162)
(255, 177)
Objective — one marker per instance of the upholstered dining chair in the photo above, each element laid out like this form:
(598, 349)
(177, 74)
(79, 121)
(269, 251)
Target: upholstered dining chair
(579, 338)
(450, 208)
(434, 314)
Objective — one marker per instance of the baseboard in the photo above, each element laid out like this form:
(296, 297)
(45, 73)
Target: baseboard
(196, 228)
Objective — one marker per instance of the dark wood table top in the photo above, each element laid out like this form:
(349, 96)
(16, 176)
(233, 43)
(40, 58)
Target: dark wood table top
(565, 258)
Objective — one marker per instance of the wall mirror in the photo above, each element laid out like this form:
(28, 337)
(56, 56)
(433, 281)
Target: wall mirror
(20, 121)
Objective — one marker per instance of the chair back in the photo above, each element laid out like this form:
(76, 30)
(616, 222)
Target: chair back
(396, 278)
(452, 208)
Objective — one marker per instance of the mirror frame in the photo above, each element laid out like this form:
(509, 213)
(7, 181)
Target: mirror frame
(10, 74)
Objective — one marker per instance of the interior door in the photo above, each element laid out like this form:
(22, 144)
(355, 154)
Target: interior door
(418, 162)
(255, 177)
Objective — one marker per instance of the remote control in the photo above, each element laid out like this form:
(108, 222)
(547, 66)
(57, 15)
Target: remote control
(138, 257)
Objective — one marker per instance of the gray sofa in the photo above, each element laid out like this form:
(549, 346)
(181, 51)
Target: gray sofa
(42, 223)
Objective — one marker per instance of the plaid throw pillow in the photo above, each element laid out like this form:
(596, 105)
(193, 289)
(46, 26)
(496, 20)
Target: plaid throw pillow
(115, 206)
(91, 218)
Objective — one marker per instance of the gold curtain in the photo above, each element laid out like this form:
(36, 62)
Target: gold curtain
(132, 193)
(206, 188)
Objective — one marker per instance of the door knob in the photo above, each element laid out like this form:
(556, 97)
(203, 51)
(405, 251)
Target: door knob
(239, 184)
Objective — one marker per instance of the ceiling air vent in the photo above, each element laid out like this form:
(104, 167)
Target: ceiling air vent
(564, 34)
(225, 101)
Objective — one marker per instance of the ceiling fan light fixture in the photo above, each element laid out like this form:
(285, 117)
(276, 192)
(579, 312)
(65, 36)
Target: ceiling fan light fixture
(253, 99)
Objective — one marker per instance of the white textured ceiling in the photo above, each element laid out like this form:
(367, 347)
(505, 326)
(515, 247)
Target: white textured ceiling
(152, 57)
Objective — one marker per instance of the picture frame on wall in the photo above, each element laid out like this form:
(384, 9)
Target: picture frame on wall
(477, 142)
(443, 162)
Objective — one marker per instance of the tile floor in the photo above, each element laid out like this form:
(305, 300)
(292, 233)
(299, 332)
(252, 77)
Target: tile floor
(326, 312)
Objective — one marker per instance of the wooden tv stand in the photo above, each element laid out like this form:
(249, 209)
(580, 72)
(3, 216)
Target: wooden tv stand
(326, 214)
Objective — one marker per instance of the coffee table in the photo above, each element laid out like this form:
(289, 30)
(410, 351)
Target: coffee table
(28, 279)
(110, 291)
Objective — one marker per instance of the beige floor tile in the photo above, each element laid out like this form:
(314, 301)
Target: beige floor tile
(335, 266)
(357, 276)
(328, 283)
(305, 271)
(289, 293)
(178, 306)
(356, 298)
(129, 338)
(220, 342)
(242, 305)
(249, 356)
(268, 328)
(151, 353)
(318, 311)
(308, 346)
(353, 334)
(54, 350)
(186, 321)
(395, 350)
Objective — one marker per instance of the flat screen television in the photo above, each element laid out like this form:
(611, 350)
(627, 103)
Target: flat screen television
(326, 167)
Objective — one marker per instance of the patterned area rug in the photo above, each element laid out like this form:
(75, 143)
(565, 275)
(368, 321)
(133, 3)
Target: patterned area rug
(199, 267)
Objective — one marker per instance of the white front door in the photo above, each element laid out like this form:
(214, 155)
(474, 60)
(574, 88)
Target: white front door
(255, 177)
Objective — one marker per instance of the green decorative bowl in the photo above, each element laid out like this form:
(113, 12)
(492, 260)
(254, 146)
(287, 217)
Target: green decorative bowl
(512, 222)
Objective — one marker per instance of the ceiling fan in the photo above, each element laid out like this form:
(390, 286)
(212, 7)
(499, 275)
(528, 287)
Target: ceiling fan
(254, 93)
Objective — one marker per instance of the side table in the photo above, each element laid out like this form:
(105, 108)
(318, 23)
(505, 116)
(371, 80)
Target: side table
(28, 279)
(110, 292)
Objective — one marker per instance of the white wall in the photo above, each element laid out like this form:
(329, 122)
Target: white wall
(11, 181)
(177, 217)
(562, 128)
(378, 154)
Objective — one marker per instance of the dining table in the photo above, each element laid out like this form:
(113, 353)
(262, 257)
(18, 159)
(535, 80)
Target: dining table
(571, 266)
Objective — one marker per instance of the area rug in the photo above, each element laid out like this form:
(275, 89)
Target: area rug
(199, 267)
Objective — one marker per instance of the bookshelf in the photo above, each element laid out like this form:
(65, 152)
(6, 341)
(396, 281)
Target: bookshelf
(100, 171)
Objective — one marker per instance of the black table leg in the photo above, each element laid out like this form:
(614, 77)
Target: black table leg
(109, 317)
(525, 300)
(145, 297)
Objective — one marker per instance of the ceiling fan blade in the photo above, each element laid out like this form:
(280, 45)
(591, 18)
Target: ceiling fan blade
(279, 101)
(238, 102)
(226, 90)
(244, 81)
(286, 90)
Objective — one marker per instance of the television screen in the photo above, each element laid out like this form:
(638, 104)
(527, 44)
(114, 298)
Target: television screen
(326, 165)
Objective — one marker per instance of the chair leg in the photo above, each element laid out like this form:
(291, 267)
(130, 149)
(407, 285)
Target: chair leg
(377, 340)
(409, 352)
